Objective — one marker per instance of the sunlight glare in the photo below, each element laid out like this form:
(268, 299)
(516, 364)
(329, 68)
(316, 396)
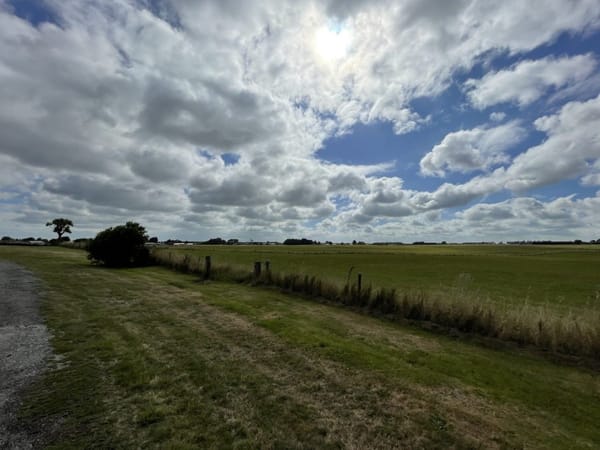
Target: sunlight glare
(332, 45)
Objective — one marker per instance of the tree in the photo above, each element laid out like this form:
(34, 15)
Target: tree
(61, 226)
(120, 246)
(216, 241)
(302, 241)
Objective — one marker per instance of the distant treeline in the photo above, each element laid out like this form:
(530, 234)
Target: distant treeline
(220, 241)
(302, 241)
(575, 242)
(7, 240)
(213, 241)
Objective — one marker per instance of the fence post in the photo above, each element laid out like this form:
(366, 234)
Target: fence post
(257, 269)
(359, 286)
(267, 266)
(207, 267)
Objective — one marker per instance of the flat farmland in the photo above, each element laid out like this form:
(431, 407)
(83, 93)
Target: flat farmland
(153, 358)
(561, 278)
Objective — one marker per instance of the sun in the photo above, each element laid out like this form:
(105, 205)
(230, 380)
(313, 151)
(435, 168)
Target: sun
(332, 43)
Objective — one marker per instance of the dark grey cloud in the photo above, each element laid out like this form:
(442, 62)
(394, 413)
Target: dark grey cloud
(387, 210)
(489, 213)
(435, 12)
(346, 181)
(303, 194)
(41, 148)
(341, 9)
(215, 116)
(105, 192)
(232, 192)
(160, 166)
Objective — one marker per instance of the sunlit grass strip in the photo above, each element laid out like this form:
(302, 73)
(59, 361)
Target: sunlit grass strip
(574, 334)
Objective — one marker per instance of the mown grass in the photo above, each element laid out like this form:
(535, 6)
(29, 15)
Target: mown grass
(154, 358)
(576, 333)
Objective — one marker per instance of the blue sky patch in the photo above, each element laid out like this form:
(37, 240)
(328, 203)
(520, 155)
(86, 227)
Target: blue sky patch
(33, 11)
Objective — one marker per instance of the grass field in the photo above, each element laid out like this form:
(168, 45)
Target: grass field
(561, 277)
(154, 358)
(542, 296)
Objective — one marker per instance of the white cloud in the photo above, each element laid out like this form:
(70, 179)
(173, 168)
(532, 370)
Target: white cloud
(497, 116)
(573, 140)
(562, 218)
(385, 198)
(122, 111)
(571, 150)
(528, 80)
(593, 177)
(469, 150)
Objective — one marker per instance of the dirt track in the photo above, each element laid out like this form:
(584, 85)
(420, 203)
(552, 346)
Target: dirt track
(24, 351)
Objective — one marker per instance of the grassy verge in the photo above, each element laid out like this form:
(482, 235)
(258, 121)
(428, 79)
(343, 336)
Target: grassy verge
(153, 358)
(576, 333)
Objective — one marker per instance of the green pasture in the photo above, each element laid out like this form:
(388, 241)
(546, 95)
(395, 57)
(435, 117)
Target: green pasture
(562, 277)
(151, 358)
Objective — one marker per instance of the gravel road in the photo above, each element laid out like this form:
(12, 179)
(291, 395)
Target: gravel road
(24, 351)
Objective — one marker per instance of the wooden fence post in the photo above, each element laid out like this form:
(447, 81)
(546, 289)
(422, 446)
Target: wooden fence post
(268, 266)
(207, 267)
(359, 286)
(257, 269)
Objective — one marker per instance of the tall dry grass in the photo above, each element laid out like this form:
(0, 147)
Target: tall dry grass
(573, 333)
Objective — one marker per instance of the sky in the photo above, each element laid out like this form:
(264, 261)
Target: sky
(413, 120)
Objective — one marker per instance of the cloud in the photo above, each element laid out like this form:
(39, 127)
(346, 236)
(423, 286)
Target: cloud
(572, 149)
(161, 166)
(211, 116)
(593, 177)
(573, 140)
(528, 80)
(399, 52)
(124, 195)
(124, 108)
(497, 116)
(469, 150)
(561, 218)
(450, 195)
(386, 198)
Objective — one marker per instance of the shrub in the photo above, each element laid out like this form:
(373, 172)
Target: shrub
(120, 246)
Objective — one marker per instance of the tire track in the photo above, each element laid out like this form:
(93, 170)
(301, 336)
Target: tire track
(24, 352)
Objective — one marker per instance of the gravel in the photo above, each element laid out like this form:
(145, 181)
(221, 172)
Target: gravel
(24, 352)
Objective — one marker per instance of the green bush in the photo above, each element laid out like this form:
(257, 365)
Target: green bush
(120, 246)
